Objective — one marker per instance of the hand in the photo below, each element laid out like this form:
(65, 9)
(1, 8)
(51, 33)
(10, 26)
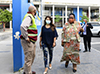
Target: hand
(40, 44)
(28, 40)
(62, 44)
(64, 29)
(86, 25)
(54, 44)
(82, 30)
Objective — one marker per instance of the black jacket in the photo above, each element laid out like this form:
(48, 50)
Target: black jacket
(88, 31)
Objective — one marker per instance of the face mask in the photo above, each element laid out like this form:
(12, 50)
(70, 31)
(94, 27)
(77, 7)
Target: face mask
(48, 21)
(35, 14)
(83, 22)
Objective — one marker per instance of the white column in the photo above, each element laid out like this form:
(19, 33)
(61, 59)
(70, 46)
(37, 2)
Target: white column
(78, 13)
(49, 11)
(53, 7)
(39, 10)
(89, 11)
(31, 1)
(10, 5)
(42, 11)
(62, 16)
(66, 13)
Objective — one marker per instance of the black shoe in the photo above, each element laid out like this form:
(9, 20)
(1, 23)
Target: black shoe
(66, 64)
(79, 49)
(74, 70)
(89, 50)
(33, 72)
(85, 51)
(23, 72)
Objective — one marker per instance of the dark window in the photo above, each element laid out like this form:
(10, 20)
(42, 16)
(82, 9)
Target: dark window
(28, 1)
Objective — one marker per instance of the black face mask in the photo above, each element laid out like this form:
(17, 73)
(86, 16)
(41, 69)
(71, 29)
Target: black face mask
(35, 14)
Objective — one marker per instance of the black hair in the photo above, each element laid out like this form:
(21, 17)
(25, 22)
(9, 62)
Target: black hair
(72, 14)
(51, 24)
(49, 18)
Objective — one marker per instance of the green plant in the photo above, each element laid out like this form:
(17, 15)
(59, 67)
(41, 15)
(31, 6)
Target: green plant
(57, 18)
(5, 16)
(99, 18)
(84, 17)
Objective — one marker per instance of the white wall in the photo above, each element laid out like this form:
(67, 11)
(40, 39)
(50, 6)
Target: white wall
(75, 1)
(5, 0)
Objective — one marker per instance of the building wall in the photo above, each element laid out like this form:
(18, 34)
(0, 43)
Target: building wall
(5, 1)
(80, 13)
(7, 4)
(95, 2)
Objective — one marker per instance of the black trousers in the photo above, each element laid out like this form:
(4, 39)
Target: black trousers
(87, 42)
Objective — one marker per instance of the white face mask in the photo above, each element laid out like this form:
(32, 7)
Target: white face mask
(48, 21)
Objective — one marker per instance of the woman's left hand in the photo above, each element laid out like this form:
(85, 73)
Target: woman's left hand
(82, 30)
(54, 44)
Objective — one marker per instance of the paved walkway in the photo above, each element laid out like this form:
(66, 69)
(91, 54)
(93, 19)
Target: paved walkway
(90, 61)
(6, 34)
